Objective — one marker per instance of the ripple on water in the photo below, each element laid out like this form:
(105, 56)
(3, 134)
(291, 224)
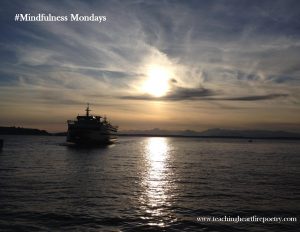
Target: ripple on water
(146, 184)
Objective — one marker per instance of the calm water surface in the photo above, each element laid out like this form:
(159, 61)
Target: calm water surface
(147, 184)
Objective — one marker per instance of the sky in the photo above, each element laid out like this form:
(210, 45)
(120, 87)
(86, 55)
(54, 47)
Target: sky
(173, 65)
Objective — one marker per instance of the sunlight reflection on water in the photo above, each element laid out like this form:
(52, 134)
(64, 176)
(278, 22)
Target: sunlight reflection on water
(157, 181)
(146, 184)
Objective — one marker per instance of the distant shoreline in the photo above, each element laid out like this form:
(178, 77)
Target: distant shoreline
(31, 131)
(210, 137)
(21, 131)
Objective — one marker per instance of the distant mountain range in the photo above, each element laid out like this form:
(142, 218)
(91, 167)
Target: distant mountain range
(211, 133)
(217, 132)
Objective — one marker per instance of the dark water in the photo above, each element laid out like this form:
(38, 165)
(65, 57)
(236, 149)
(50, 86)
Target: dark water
(147, 184)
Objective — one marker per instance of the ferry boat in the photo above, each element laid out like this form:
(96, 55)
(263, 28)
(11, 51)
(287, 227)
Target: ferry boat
(90, 129)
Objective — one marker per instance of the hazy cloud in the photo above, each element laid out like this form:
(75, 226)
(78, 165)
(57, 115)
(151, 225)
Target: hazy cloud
(195, 94)
(254, 97)
(177, 94)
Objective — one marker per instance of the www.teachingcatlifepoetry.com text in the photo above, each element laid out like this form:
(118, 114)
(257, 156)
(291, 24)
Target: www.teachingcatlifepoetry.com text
(59, 18)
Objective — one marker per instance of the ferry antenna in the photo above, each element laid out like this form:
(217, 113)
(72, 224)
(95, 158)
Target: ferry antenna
(87, 110)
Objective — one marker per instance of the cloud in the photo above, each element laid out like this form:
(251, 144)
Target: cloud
(283, 79)
(236, 51)
(204, 94)
(136, 31)
(254, 97)
(177, 94)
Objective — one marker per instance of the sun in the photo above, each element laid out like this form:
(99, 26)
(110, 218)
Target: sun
(157, 82)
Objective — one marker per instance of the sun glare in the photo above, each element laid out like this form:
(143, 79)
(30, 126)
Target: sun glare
(157, 82)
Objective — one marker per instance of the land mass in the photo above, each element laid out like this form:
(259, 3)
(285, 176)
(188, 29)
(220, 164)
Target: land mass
(21, 131)
(215, 133)
(211, 133)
